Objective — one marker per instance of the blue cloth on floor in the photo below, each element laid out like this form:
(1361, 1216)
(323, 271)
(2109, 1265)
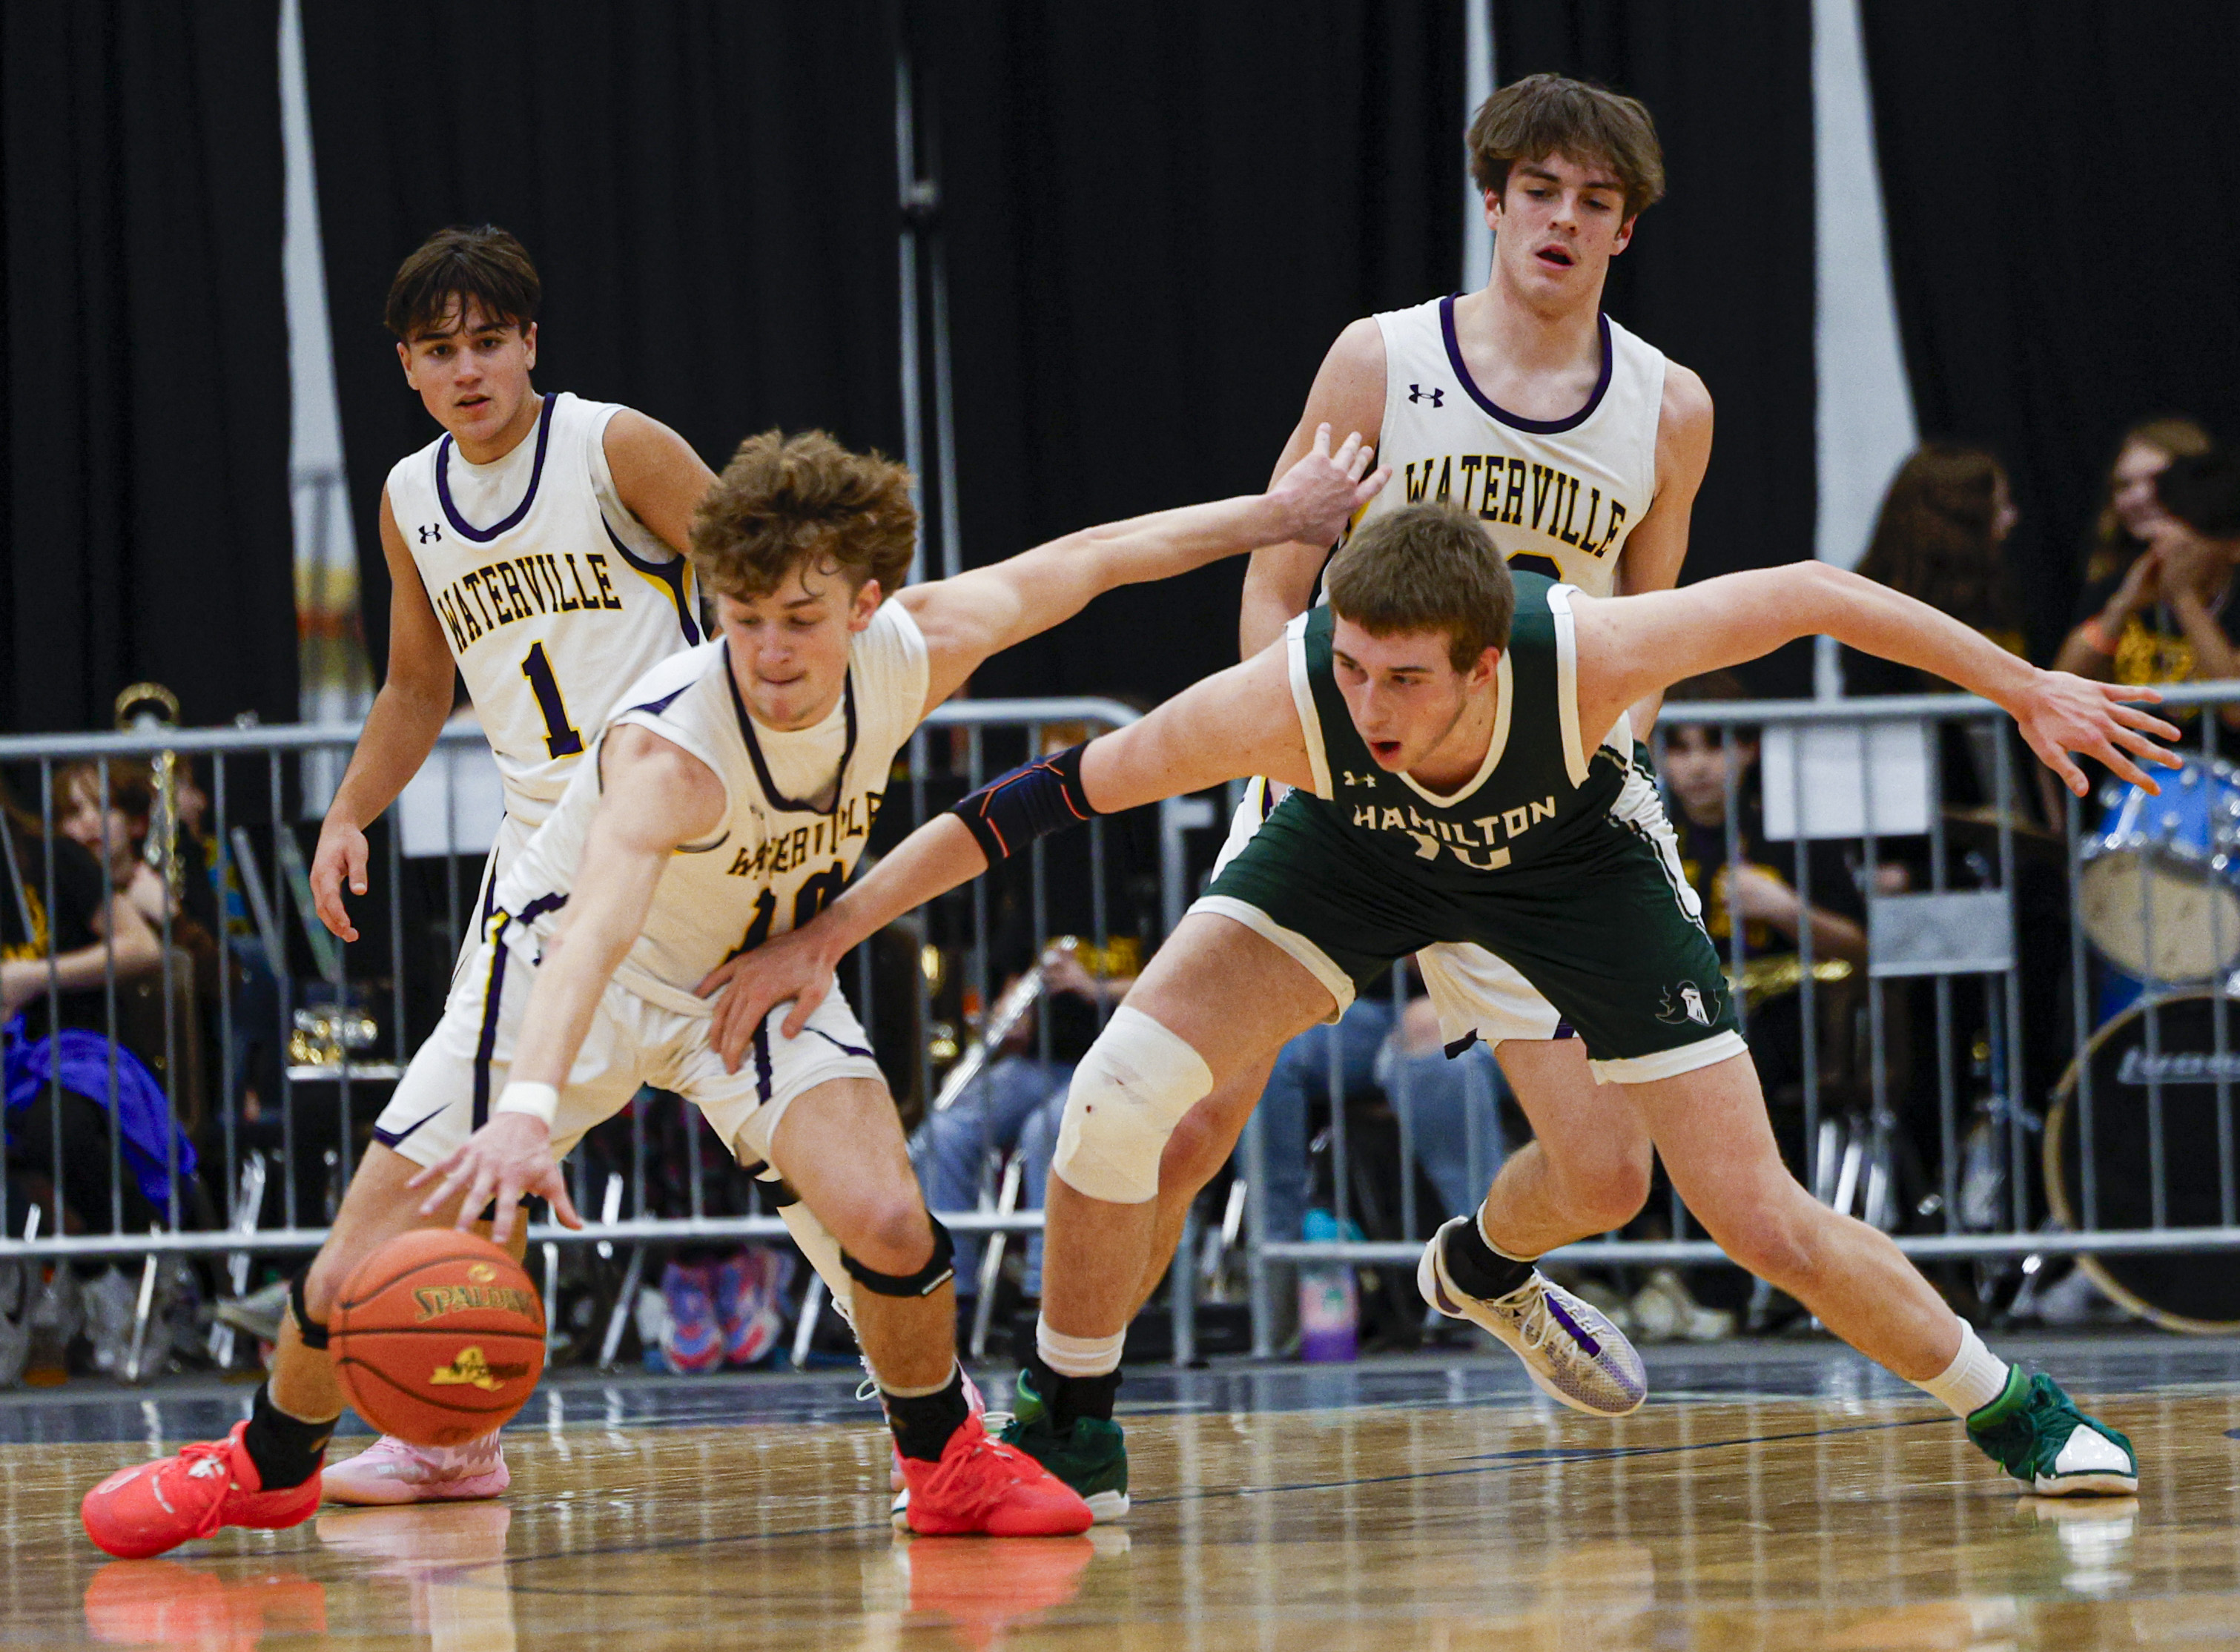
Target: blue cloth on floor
(143, 1113)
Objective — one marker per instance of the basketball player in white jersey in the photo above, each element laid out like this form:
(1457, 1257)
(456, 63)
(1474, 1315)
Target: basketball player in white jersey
(537, 546)
(1581, 447)
(727, 801)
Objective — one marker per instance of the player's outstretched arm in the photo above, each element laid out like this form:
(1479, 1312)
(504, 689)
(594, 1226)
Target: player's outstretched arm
(1236, 723)
(656, 798)
(985, 611)
(400, 731)
(1347, 395)
(1630, 646)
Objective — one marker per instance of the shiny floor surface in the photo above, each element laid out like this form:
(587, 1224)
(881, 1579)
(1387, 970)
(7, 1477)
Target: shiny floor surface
(1772, 1496)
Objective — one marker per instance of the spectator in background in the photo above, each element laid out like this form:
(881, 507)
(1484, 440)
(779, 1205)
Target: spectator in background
(1940, 537)
(68, 947)
(2128, 510)
(2170, 616)
(1716, 809)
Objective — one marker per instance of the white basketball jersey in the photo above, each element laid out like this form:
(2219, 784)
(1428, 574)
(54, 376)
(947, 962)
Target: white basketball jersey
(1558, 496)
(782, 851)
(554, 597)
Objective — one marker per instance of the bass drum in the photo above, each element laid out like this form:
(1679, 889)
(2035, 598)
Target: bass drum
(2198, 1292)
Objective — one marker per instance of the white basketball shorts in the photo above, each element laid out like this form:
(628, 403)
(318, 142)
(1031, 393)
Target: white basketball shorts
(458, 1074)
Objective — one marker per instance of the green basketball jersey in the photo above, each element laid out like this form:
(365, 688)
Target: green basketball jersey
(1546, 796)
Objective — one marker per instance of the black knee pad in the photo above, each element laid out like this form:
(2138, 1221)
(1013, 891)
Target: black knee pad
(923, 1282)
(782, 1193)
(313, 1333)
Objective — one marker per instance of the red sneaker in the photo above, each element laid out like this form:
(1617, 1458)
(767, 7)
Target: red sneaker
(975, 1403)
(982, 1485)
(144, 1510)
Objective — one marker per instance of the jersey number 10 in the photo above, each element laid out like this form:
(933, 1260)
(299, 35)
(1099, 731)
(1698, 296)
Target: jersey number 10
(561, 739)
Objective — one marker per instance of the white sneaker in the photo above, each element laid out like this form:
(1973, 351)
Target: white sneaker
(391, 1471)
(1569, 1349)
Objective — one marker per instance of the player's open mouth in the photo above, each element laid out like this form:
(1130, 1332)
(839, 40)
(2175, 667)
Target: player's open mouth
(1555, 256)
(474, 401)
(1385, 751)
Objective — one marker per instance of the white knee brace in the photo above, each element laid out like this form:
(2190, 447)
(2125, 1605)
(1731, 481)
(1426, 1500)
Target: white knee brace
(1128, 1094)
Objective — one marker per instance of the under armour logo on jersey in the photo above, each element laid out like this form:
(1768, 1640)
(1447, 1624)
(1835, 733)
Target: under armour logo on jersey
(1352, 779)
(430, 532)
(1435, 395)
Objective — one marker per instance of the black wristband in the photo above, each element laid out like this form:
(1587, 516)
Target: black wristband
(1032, 801)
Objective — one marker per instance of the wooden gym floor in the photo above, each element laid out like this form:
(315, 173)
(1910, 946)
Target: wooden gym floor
(1770, 1495)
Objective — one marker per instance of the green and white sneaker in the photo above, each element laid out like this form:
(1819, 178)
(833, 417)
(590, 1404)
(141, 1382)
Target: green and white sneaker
(1092, 1458)
(2035, 1433)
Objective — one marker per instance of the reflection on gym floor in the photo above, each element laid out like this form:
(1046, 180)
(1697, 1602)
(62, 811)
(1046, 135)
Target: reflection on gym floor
(1788, 1499)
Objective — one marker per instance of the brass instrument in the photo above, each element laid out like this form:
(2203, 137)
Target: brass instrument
(140, 708)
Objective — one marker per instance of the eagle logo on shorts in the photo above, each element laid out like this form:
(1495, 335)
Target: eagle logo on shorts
(1687, 1002)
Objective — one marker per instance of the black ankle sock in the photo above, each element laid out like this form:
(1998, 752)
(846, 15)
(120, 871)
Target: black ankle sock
(285, 1450)
(922, 1423)
(1476, 1267)
(1068, 1397)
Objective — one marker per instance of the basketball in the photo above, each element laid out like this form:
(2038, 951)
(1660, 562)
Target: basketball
(438, 1337)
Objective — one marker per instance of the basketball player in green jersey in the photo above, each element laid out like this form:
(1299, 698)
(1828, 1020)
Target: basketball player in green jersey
(1458, 744)
(1581, 449)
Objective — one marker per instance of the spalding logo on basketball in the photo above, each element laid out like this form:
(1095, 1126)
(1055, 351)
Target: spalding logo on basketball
(438, 1337)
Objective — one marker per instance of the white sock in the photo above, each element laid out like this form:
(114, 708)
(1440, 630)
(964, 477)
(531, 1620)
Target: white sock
(1976, 1377)
(1078, 1355)
(913, 1393)
(1490, 1245)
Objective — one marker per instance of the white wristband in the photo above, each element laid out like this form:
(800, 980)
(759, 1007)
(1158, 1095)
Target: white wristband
(538, 1101)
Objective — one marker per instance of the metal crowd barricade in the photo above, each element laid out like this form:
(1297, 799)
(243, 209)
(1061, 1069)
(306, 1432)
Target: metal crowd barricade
(2142, 1157)
(2147, 1171)
(333, 1061)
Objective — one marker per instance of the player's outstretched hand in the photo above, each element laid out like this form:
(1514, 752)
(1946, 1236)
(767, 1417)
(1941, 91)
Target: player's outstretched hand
(754, 983)
(2060, 714)
(507, 1157)
(1323, 490)
(341, 856)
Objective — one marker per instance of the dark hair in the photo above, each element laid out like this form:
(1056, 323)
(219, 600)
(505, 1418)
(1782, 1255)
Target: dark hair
(1712, 686)
(1428, 567)
(2202, 491)
(131, 786)
(483, 264)
(1543, 115)
(1933, 539)
(783, 500)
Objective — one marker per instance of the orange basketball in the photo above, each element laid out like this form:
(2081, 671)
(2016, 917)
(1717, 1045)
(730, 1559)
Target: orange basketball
(437, 1337)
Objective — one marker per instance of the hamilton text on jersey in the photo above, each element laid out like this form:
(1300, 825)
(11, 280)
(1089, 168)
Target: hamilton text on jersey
(518, 588)
(1431, 834)
(1520, 493)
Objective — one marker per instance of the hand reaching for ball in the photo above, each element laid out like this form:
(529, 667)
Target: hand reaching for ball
(507, 1157)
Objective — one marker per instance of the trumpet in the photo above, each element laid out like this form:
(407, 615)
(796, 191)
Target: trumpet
(141, 707)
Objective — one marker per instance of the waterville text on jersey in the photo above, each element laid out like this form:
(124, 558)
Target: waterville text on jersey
(775, 856)
(1521, 493)
(518, 588)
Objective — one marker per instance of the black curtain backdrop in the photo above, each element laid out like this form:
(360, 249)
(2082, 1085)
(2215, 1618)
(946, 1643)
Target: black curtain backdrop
(145, 353)
(1158, 218)
(707, 186)
(2061, 193)
(1720, 273)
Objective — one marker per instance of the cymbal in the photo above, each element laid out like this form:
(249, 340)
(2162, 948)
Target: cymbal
(1980, 826)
